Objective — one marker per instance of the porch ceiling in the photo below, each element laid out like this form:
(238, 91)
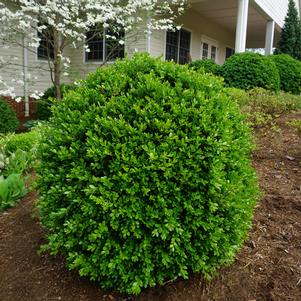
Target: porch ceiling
(224, 13)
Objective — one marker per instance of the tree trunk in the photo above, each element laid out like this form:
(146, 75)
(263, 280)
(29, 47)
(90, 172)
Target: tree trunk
(57, 64)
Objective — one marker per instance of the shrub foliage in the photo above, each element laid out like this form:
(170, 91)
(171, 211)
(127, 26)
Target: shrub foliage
(8, 118)
(290, 73)
(209, 66)
(145, 175)
(249, 70)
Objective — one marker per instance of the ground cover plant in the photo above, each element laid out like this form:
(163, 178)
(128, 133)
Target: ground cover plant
(250, 70)
(297, 125)
(17, 156)
(261, 107)
(145, 175)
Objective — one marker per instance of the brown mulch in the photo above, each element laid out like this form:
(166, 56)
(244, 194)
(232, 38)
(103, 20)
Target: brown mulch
(267, 268)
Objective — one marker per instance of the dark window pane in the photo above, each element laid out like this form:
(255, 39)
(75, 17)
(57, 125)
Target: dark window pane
(45, 49)
(205, 51)
(172, 45)
(213, 53)
(184, 52)
(229, 52)
(114, 49)
(94, 39)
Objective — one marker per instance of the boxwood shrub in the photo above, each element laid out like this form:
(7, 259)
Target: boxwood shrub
(8, 118)
(250, 70)
(290, 72)
(145, 175)
(209, 66)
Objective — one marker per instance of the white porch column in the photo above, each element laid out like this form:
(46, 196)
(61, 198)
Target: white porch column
(241, 26)
(269, 37)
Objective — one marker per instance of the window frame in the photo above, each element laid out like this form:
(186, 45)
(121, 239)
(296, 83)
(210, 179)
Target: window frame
(211, 44)
(178, 44)
(87, 61)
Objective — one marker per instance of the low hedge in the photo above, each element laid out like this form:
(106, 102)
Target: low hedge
(250, 70)
(290, 72)
(145, 175)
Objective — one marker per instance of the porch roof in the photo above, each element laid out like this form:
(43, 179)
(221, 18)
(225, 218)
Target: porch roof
(224, 14)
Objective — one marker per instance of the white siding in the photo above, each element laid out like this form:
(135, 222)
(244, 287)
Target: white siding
(276, 9)
(38, 70)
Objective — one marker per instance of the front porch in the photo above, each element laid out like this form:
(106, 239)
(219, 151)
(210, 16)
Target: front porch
(248, 24)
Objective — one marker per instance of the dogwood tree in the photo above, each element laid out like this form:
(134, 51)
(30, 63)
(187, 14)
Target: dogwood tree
(64, 23)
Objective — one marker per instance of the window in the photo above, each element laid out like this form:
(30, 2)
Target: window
(45, 50)
(229, 52)
(205, 54)
(209, 51)
(213, 53)
(104, 44)
(178, 46)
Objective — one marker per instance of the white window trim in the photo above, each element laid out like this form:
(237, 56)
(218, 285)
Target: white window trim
(211, 43)
(190, 44)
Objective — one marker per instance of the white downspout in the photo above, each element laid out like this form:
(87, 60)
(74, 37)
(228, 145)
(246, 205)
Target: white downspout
(25, 77)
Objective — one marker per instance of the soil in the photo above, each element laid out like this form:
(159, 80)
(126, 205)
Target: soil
(267, 268)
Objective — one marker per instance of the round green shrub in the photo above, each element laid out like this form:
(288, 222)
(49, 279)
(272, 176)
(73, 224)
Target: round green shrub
(8, 118)
(145, 175)
(290, 72)
(45, 103)
(249, 70)
(209, 66)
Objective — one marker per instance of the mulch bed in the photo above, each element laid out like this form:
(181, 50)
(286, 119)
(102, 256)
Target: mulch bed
(267, 268)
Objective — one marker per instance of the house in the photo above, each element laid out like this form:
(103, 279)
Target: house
(213, 29)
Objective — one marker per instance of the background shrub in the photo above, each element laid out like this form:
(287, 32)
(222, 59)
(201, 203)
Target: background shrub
(145, 175)
(249, 70)
(290, 72)
(8, 118)
(45, 103)
(209, 66)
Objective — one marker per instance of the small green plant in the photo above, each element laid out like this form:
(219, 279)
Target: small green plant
(8, 118)
(296, 124)
(145, 175)
(23, 141)
(250, 70)
(290, 73)
(209, 66)
(11, 190)
(18, 162)
(31, 124)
